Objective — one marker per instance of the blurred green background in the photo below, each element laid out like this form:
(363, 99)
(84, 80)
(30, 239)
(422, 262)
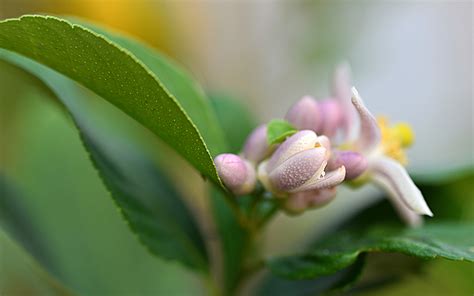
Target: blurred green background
(406, 57)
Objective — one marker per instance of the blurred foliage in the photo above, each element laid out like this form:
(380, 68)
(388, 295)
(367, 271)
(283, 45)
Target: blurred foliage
(22, 275)
(92, 245)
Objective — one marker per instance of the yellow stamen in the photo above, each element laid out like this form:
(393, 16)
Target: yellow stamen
(395, 138)
(404, 133)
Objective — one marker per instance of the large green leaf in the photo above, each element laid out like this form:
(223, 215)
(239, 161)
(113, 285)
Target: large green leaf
(114, 74)
(153, 208)
(177, 81)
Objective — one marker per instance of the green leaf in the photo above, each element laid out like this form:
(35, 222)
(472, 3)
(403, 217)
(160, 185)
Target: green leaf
(152, 207)
(278, 131)
(236, 120)
(114, 74)
(177, 81)
(452, 241)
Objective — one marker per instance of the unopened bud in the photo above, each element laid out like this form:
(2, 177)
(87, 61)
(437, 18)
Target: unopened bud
(332, 115)
(237, 174)
(297, 203)
(298, 165)
(354, 162)
(305, 114)
(256, 147)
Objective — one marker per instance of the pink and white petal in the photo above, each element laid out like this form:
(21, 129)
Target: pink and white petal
(256, 146)
(321, 197)
(330, 179)
(302, 140)
(397, 179)
(354, 162)
(298, 169)
(406, 214)
(332, 117)
(296, 203)
(369, 134)
(341, 90)
(305, 114)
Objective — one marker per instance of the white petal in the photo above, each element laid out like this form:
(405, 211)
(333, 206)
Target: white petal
(369, 135)
(405, 213)
(331, 179)
(397, 179)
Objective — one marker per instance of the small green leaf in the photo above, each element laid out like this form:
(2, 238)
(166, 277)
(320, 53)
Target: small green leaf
(454, 241)
(236, 120)
(153, 208)
(278, 131)
(114, 74)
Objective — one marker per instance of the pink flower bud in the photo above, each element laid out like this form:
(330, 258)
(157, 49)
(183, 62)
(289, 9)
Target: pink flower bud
(256, 147)
(298, 169)
(354, 162)
(297, 203)
(332, 116)
(305, 114)
(237, 174)
(298, 165)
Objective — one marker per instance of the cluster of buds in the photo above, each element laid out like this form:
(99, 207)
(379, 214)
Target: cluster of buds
(305, 169)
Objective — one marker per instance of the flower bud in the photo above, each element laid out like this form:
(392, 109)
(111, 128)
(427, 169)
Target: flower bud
(354, 162)
(298, 165)
(237, 174)
(297, 203)
(305, 114)
(332, 117)
(256, 146)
